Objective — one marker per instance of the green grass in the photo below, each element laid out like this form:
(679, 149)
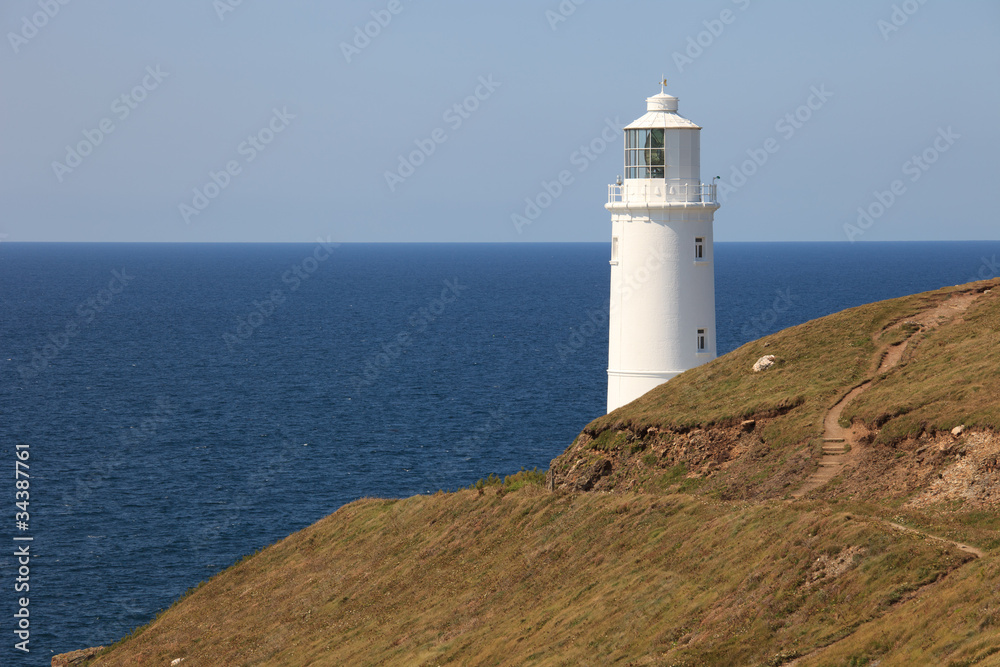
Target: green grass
(511, 482)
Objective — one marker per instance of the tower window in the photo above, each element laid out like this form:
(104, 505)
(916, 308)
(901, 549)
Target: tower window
(644, 153)
(614, 248)
(699, 249)
(702, 340)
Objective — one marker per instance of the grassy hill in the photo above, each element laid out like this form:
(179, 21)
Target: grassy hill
(695, 423)
(667, 533)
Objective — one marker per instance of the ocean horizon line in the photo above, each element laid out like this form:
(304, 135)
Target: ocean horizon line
(476, 243)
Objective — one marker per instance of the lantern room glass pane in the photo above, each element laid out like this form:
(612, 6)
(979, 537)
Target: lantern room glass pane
(644, 153)
(654, 142)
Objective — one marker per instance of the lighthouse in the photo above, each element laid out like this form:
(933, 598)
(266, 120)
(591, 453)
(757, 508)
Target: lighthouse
(662, 314)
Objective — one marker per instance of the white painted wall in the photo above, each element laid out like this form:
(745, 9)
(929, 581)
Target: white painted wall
(660, 294)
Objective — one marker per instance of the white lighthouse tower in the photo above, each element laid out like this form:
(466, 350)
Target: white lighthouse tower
(662, 318)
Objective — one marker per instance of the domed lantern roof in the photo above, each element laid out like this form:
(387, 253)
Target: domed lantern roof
(661, 113)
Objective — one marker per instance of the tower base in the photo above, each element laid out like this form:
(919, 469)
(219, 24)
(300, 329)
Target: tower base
(626, 386)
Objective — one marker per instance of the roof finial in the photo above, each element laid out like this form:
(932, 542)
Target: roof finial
(663, 84)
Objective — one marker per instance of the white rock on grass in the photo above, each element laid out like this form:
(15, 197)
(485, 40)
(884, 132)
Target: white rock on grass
(763, 363)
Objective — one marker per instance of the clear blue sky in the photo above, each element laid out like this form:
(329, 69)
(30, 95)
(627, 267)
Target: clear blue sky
(893, 82)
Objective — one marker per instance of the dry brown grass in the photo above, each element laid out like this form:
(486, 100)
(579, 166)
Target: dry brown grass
(948, 377)
(546, 579)
(520, 576)
(817, 362)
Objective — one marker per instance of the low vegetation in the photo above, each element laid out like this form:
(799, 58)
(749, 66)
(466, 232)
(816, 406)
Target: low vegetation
(549, 579)
(947, 378)
(511, 482)
(817, 362)
(952, 378)
(688, 549)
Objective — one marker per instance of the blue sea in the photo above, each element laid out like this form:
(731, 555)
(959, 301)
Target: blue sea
(184, 405)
